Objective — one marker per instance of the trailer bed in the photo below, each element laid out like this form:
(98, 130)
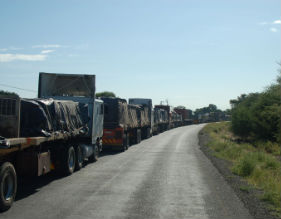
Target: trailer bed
(10, 145)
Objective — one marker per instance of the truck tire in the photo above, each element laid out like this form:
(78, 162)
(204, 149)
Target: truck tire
(79, 158)
(139, 137)
(125, 142)
(68, 162)
(8, 185)
(148, 133)
(95, 156)
(100, 146)
(128, 141)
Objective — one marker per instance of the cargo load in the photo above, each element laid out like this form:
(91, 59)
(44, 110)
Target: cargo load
(122, 123)
(145, 118)
(134, 116)
(42, 117)
(115, 113)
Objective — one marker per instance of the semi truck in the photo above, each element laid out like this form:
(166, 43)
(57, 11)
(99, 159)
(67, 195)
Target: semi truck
(147, 115)
(122, 123)
(168, 122)
(186, 115)
(56, 131)
(176, 119)
(160, 120)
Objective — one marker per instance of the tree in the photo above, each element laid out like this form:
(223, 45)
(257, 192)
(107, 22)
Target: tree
(235, 103)
(212, 108)
(105, 94)
(6, 93)
(180, 107)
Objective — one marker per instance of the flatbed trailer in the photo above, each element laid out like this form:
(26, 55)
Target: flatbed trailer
(11, 145)
(56, 131)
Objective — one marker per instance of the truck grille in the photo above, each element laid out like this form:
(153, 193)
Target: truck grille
(7, 107)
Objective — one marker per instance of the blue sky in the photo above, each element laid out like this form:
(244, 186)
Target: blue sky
(190, 53)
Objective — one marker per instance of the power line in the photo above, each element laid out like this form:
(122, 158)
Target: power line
(29, 90)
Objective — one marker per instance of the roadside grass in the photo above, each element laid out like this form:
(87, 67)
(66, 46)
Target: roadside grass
(257, 162)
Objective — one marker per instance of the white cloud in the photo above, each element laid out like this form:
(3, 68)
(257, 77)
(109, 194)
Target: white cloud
(273, 29)
(10, 48)
(15, 48)
(47, 51)
(277, 22)
(23, 57)
(47, 46)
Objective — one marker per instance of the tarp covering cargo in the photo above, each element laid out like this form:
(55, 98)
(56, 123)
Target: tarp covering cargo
(134, 119)
(41, 117)
(118, 113)
(145, 121)
(115, 113)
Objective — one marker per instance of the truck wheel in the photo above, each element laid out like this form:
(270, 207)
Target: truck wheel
(95, 156)
(100, 146)
(69, 161)
(139, 137)
(8, 186)
(79, 158)
(148, 134)
(125, 142)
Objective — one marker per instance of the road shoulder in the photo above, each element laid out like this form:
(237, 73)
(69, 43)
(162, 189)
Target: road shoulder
(249, 196)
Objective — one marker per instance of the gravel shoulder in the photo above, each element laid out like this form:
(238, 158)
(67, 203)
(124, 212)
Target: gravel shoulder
(246, 193)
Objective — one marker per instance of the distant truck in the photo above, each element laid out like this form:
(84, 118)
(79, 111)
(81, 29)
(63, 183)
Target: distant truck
(160, 120)
(186, 115)
(176, 119)
(168, 121)
(147, 115)
(122, 123)
(56, 131)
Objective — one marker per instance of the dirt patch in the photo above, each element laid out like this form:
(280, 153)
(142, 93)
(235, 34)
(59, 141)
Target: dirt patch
(246, 193)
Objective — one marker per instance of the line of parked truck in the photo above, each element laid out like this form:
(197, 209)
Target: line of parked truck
(66, 125)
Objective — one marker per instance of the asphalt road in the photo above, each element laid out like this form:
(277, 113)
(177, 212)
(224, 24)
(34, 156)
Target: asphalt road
(166, 176)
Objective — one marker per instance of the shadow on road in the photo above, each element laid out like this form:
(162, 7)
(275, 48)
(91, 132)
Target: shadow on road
(30, 185)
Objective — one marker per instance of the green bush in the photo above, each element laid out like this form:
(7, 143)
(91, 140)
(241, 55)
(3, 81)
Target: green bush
(272, 163)
(268, 147)
(246, 165)
(257, 115)
(272, 197)
(241, 122)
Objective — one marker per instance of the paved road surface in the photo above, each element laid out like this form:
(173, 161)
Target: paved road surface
(166, 176)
